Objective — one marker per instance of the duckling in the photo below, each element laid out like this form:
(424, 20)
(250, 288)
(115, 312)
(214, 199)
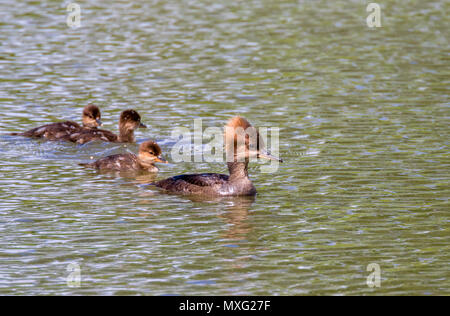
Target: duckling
(128, 122)
(235, 184)
(91, 119)
(149, 154)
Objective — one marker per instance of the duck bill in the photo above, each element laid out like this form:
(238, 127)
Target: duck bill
(142, 125)
(268, 156)
(159, 159)
(99, 123)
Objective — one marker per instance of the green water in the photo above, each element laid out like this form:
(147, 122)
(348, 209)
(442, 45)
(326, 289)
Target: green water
(364, 132)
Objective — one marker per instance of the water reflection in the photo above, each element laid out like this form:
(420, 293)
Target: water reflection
(235, 214)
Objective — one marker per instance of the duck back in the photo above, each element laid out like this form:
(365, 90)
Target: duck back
(53, 131)
(209, 184)
(84, 136)
(120, 162)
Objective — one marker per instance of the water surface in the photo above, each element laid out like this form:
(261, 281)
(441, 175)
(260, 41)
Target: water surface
(363, 116)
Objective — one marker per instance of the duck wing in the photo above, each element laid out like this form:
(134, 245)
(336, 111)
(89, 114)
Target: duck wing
(193, 183)
(86, 135)
(53, 131)
(120, 162)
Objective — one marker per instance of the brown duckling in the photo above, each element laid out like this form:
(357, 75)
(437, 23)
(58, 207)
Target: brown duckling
(128, 122)
(149, 154)
(91, 119)
(235, 184)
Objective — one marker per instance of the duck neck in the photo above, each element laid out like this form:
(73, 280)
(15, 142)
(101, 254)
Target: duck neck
(147, 165)
(89, 127)
(126, 135)
(87, 123)
(238, 170)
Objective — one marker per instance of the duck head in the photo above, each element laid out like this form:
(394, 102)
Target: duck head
(242, 142)
(128, 122)
(150, 153)
(91, 117)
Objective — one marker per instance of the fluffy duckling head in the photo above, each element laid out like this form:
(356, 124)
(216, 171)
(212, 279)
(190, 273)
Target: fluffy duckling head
(150, 152)
(130, 120)
(91, 116)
